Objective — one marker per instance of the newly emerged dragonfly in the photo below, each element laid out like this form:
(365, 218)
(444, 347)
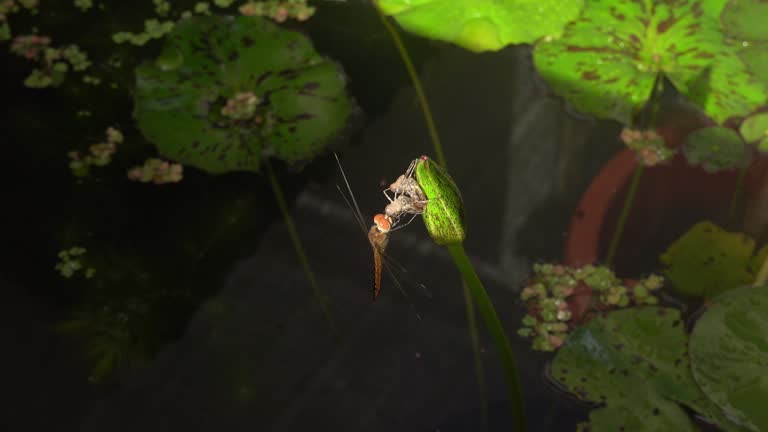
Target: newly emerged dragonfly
(407, 199)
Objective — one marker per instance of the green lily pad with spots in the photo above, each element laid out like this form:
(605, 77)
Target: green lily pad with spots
(606, 62)
(483, 25)
(635, 362)
(729, 355)
(209, 60)
(714, 149)
(708, 260)
(651, 414)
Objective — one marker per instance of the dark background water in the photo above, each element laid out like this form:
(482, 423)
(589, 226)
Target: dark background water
(235, 338)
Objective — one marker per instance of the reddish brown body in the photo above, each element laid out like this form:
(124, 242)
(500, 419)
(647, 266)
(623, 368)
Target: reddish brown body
(378, 235)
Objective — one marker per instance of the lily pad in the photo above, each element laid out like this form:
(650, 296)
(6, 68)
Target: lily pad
(755, 56)
(210, 60)
(745, 19)
(483, 25)
(708, 260)
(606, 62)
(633, 361)
(755, 130)
(652, 414)
(729, 355)
(714, 148)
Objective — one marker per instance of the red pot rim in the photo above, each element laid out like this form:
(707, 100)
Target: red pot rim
(584, 234)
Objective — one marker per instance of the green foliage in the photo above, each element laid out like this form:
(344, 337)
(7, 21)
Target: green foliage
(745, 20)
(444, 213)
(71, 262)
(708, 260)
(153, 29)
(714, 149)
(606, 62)
(277, 10)
(99, 154)
(634, 361)
(648, 144)
(178, 106)
(556, 296)
(729, 355)
(483, 25)
(112, 335)
(755, 130)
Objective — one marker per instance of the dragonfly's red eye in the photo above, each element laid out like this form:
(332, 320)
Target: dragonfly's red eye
(382, 222)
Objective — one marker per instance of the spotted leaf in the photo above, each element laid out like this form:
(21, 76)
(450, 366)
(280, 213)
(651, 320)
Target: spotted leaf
(606, 62)
(208, 60)
(729, 355)
(634, 361)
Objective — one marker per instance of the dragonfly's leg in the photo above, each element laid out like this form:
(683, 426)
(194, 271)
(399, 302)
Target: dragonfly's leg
(407, 223)
(387, 195)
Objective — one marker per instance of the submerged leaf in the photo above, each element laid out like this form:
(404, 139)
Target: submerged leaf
(606, 62)
(729, 355)
(714, 148)
(208, 60)
(483, 25)
(708, 260)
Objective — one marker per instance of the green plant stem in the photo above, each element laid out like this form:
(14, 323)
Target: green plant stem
(503, 349)
(417, 86)
(294, 234)
(475, 340)
(762, 275)
(625, 209)
(738, 192)
(440, 155)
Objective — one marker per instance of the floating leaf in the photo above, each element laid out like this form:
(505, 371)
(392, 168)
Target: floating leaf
(635, 362)
(483, 25)
(651, 414)
(208, 60)
(745, 19)
(755, 56)
(708, 260)
(714, 148)
(729, 355)
(755, 129)
(606, 62)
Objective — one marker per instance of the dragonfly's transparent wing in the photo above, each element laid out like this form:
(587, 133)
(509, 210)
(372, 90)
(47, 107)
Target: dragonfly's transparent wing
(396, 271)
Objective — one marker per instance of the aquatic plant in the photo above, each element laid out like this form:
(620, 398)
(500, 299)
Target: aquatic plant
(715, 149)
(71, 262)
(634, 363)
(99, 154)
(648, 144)
(754, 130)
(444, 220)
(707, 260)
(278, 10)
(53, 63)
(481, 25)
(157, 171)
(181, 101)
(560, 298)
(729, 355)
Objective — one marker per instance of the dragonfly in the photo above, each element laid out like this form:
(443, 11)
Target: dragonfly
(407, 199)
